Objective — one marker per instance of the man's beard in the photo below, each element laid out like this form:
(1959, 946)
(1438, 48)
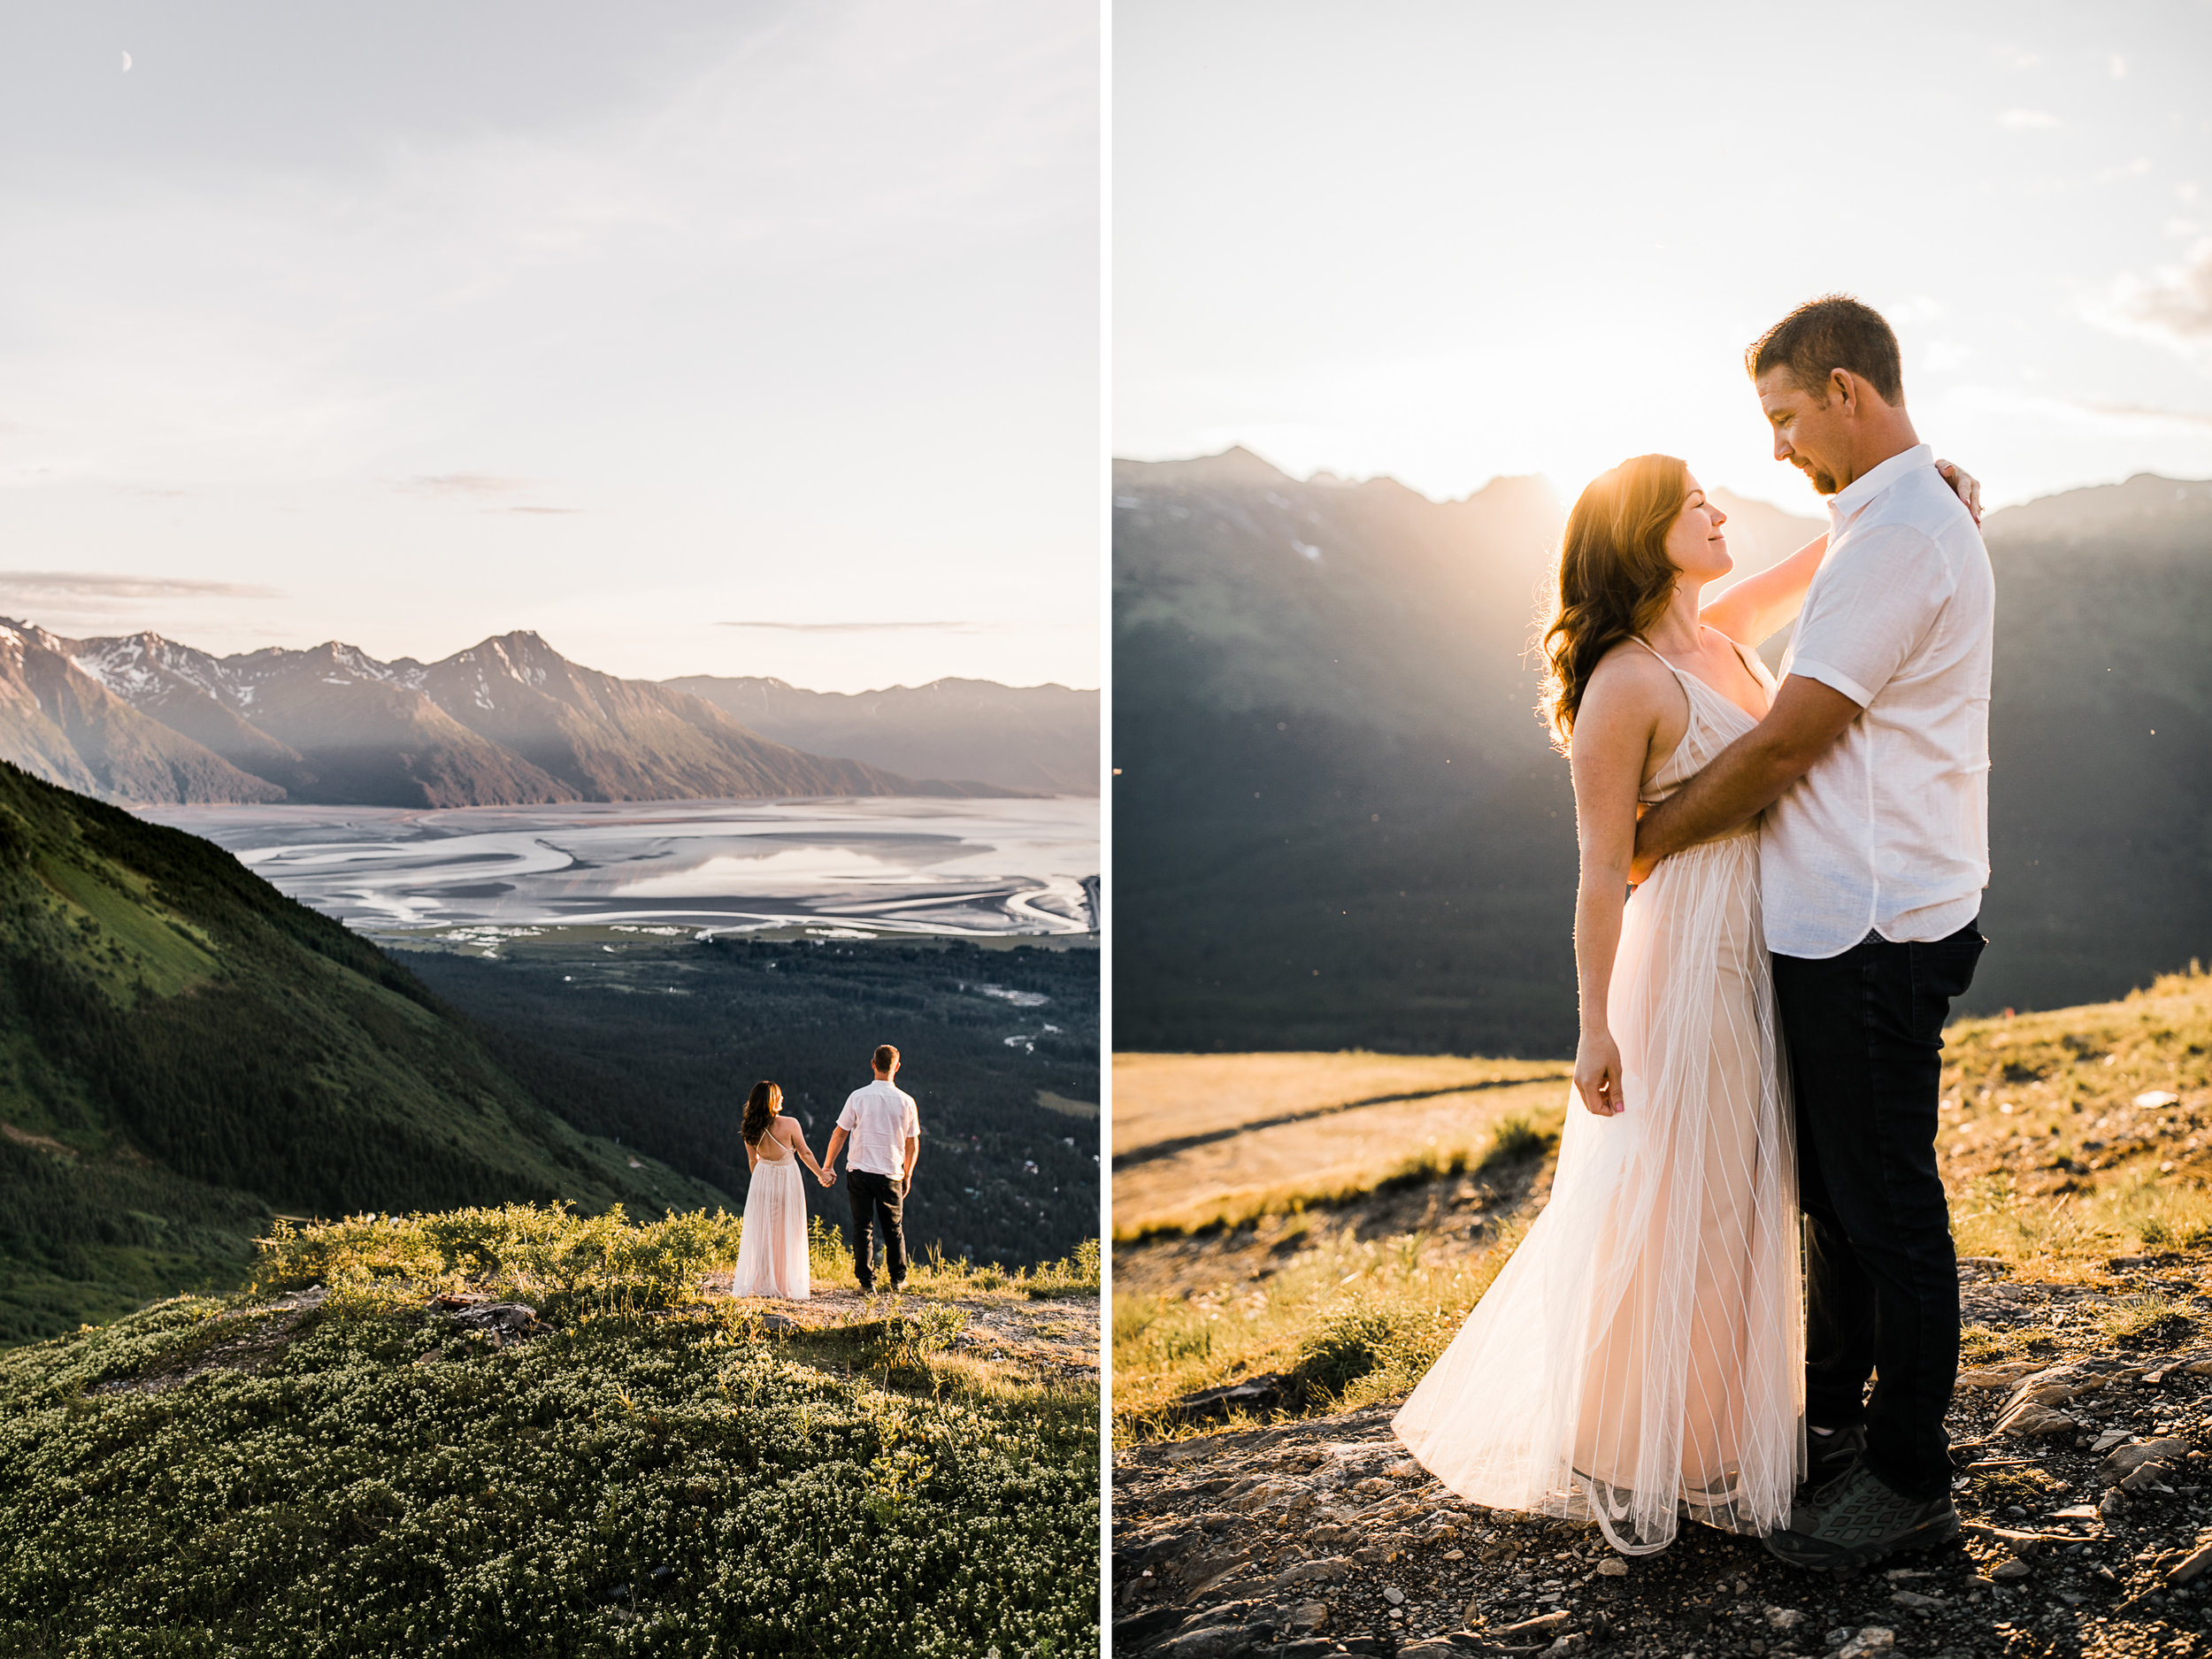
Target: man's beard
(1826, 482)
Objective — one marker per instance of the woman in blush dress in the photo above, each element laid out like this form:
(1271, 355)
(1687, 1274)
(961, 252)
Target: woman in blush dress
(772, 1247)
(1641, 1357)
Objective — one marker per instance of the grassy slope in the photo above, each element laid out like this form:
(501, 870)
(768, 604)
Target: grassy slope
(2053, 1169)
(184, 1050)
(1165, 1097)
(653, 1474)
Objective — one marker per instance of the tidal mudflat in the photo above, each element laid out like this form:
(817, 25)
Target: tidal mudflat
(871, 865)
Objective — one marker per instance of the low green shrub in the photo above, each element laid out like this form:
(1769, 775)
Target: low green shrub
(1516, 1138)
(669, 1479)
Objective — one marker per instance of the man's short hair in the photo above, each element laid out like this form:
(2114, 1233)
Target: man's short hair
(1832, 332)
(887, 1057)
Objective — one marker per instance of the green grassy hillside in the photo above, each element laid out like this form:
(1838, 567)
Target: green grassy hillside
(184, 1051)
(515, 1431)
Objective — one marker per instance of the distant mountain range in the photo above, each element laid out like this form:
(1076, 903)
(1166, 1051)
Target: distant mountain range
(1026, 737)
(510, 721)
(1337, 821)
(184, 1050)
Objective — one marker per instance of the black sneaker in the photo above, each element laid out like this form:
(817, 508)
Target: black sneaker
(1855, 1520)
(1828, 1456)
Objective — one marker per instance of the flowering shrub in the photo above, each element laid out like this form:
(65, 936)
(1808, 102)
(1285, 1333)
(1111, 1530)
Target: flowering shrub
(648, 1477)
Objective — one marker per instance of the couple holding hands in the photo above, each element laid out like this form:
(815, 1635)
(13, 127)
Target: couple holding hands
(885, 1129)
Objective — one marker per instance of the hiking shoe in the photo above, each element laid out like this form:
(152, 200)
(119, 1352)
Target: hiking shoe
(1828, 1456)
(1855, 1520)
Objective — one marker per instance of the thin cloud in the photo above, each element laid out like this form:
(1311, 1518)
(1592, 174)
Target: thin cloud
(2023, 119)
(462, 484)
(105, 585)
(2146, 411)
(532, 510)
(862, 627)
(2173, 306)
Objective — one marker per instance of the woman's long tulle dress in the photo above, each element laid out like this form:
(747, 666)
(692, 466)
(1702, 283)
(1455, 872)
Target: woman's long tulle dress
(1641, 1357)
(771, 1247)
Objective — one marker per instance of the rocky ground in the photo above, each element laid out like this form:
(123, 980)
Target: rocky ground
(2081, 1437)
(1055, 1337)
(1054, 1334)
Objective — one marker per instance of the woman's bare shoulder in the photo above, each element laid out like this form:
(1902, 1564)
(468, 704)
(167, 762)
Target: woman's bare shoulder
(1632, 699)
(1630, 672)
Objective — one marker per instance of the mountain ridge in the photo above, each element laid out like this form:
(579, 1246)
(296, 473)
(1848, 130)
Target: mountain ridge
(1337, 820)
(1025, 737)
(508, 721)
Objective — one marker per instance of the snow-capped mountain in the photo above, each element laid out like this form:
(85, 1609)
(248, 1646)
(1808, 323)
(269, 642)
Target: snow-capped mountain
(507, 722)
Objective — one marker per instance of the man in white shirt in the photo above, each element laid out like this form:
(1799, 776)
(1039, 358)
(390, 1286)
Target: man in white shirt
(1872, 767)
(886, 1131)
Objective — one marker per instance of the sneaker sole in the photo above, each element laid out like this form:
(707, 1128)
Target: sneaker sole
(1842, 1562)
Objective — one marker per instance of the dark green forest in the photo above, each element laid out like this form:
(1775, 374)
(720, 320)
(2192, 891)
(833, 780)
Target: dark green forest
(184, 1051)
(657, 1046)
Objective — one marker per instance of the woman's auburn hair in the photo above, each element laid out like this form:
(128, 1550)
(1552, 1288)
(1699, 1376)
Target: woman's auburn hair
(756, 1112)
(1614, 578)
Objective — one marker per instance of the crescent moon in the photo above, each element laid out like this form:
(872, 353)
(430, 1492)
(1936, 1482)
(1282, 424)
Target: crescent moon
(126, 63)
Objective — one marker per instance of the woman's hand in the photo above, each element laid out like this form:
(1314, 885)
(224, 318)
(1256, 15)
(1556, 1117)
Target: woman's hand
(1969, 486)
(1598, 1073)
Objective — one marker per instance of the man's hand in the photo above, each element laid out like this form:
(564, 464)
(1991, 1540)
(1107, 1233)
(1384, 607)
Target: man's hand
(829, 1175)
(1748, 776)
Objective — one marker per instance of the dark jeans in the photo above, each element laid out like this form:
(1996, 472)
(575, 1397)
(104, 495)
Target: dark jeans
(878, 1201)
(1865, 1037)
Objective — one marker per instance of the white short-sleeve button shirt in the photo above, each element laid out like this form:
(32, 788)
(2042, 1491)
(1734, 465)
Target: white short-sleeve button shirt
(1889, 832)
(881, 1117)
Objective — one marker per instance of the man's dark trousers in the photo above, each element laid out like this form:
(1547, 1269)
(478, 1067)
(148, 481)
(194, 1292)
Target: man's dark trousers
(1865, 1032)
(878, 1201)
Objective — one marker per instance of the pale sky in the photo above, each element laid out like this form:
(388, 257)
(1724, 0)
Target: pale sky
(1449, 240)
(412, 323)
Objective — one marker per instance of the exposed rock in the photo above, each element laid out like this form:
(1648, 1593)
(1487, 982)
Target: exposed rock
(1873, 1640)
(509, 1319)
(1997, 1376)
(2028, 1420)
(1541, 1623)
(2128, 1459)
(2054, 1386)
(2191, 1566)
